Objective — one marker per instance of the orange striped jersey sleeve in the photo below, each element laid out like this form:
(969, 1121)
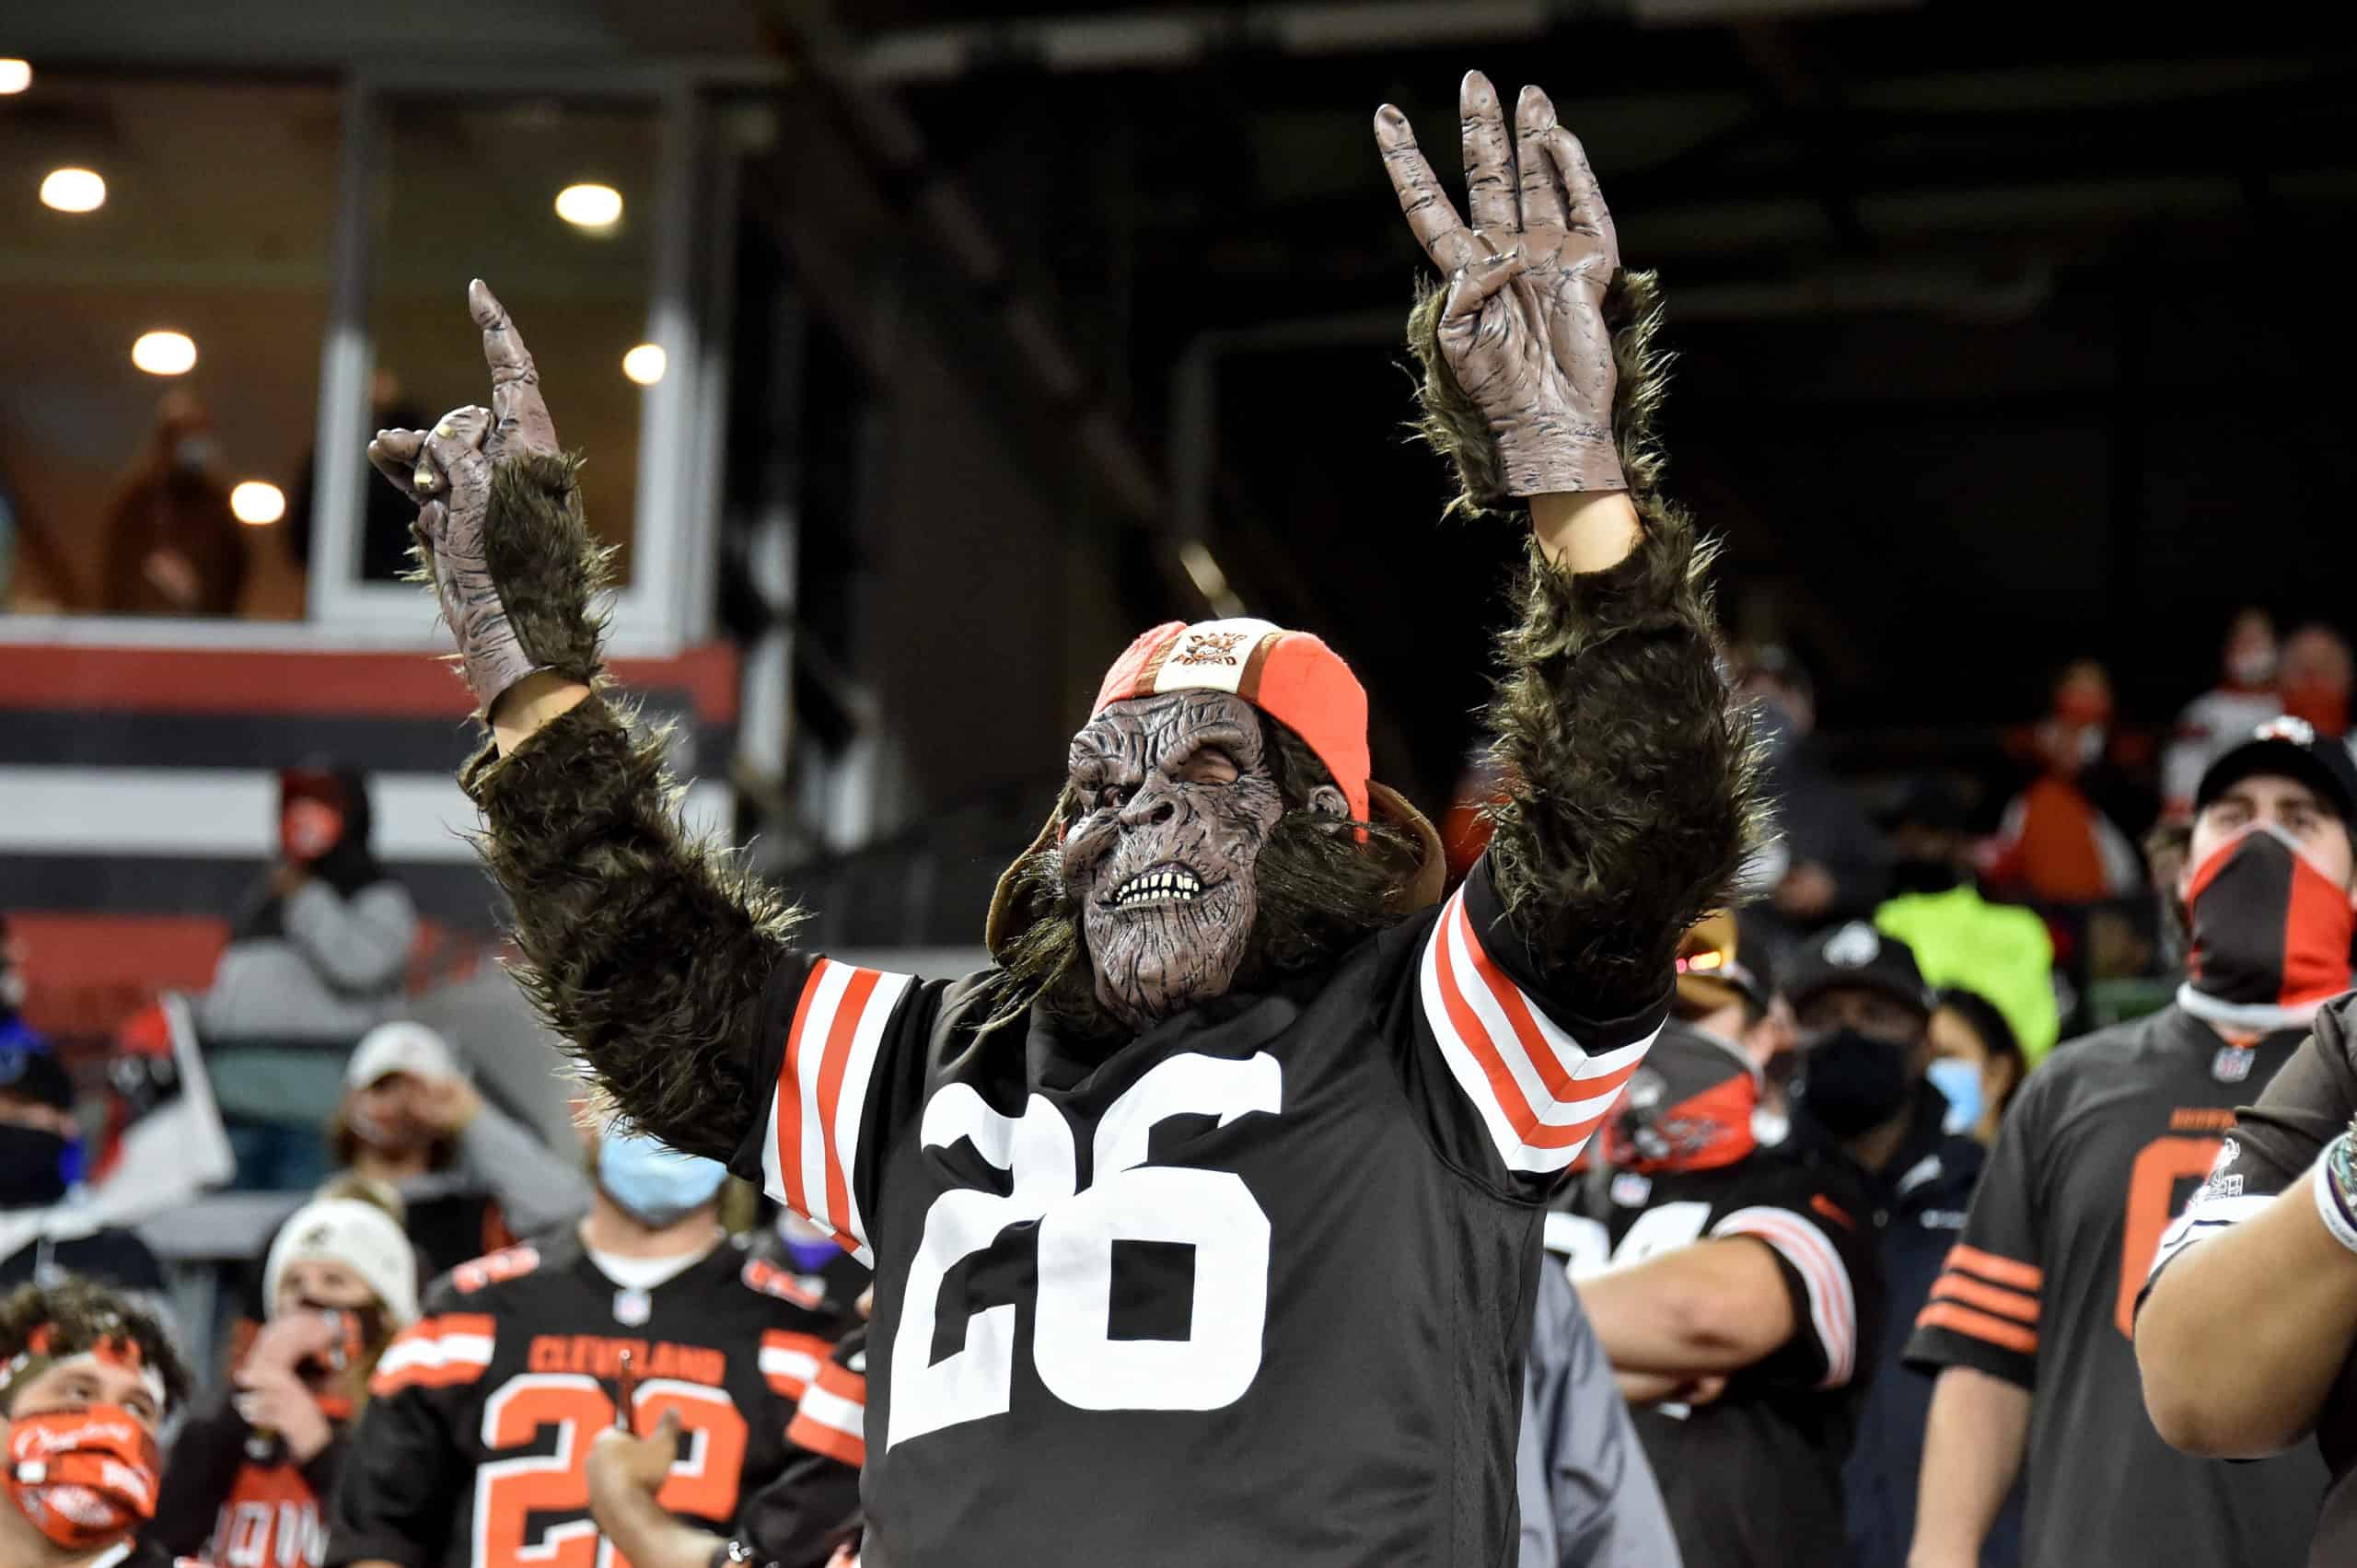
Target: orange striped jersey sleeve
(1830, 1294)
(831, 1419)
(1538, 1083)
(1986, 1306)
(790, 1361)
(443, 1352)
(817, 1107)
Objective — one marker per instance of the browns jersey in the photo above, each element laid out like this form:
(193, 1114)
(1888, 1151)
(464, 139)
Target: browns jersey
(470, 1454)
(1754, 1476)
(1168, 1275)
(2103, 1144)
(797, 1519)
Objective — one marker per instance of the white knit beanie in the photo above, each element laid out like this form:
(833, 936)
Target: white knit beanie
(358, 1235)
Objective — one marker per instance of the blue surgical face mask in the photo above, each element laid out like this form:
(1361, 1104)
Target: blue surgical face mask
(654, 1181)
(1959, 1082)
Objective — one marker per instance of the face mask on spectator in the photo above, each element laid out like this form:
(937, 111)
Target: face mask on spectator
(2268, 929)
(1851, 1081)
(1958, 1081)
(308, 828)
(86, 1477)
(654, 1181)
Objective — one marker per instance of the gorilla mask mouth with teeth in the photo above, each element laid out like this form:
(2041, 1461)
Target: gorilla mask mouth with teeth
(1178, 797)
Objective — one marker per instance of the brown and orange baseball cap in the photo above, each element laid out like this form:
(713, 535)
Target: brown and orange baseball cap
(1294, 678)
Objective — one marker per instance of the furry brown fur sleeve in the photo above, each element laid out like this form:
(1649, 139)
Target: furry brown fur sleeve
(1633, 779)
(644, 948)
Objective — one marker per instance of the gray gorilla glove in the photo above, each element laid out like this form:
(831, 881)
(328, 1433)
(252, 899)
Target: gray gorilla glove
(1521, 325)
(499, 528)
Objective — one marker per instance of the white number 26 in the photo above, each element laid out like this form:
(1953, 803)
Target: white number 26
(1127, 1200)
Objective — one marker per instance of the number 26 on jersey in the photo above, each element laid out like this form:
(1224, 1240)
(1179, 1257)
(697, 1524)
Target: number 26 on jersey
(1127, 1200)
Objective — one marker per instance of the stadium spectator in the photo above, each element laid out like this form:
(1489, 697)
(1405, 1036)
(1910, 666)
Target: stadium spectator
(1732, 1287)
(1828, 864)
(533, 1337)
(1724, 990)
(1588, 1494)
(88, 1376)
(1865, 1091)
(46, 1232)
(2058, 844)
(2000, 951)
(796, 1520)
(471, 1179)
(248, 1480)
(2244, 1336)
(173, 546)
(2030, 1325)
(1977, 1064)
(2244, 698)
(317, 959)
(2316, 679)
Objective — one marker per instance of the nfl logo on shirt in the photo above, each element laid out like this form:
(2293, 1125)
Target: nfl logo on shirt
(1630, 1189)
(2232, 1064)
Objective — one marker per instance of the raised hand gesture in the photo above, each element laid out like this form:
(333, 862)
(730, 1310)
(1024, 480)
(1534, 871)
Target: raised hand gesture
(512, 563)
(1522, 326)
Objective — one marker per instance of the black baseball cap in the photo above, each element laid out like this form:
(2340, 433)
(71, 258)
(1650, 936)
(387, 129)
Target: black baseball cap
(1858, 956)
(2292, 748)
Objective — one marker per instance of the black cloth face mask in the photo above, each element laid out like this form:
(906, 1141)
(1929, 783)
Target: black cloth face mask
(1850, 1081)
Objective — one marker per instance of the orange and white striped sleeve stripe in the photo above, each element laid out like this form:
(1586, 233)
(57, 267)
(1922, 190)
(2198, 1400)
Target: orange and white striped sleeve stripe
(790, 1361)
(832, 1417)
(1832, 1300)
(1987, 1297)
(1539, 1092)
(818, 1104)
(446, 1352)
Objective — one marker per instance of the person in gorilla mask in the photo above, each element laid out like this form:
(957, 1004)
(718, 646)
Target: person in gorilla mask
(2029, 1326)
(1136, 1194)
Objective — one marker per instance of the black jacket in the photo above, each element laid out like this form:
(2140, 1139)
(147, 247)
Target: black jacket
(1924, 1192)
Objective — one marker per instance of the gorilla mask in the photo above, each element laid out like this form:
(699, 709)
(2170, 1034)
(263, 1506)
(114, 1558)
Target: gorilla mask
(1177, 796)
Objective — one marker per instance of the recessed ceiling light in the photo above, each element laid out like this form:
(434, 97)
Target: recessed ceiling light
(73, 191)
(257, 503)
(589, 206)
(646, 363)
(163, 353)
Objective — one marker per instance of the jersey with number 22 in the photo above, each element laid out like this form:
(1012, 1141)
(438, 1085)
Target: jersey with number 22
(1253, 1286)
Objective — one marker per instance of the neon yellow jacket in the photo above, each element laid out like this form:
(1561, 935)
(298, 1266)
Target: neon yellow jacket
(1999, 950)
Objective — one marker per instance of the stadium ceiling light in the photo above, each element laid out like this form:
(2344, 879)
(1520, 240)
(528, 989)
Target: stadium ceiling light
(257, 503)
(15, 76)
(163, 353)
(73, 191)
(589, 206)
(646, 363)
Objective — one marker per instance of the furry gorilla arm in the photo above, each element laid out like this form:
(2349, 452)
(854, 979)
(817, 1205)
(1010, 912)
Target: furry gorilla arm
(644, 947)
(1633, 799)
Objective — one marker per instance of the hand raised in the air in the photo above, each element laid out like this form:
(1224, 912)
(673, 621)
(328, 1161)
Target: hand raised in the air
(1522, 327)
(479, 558)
